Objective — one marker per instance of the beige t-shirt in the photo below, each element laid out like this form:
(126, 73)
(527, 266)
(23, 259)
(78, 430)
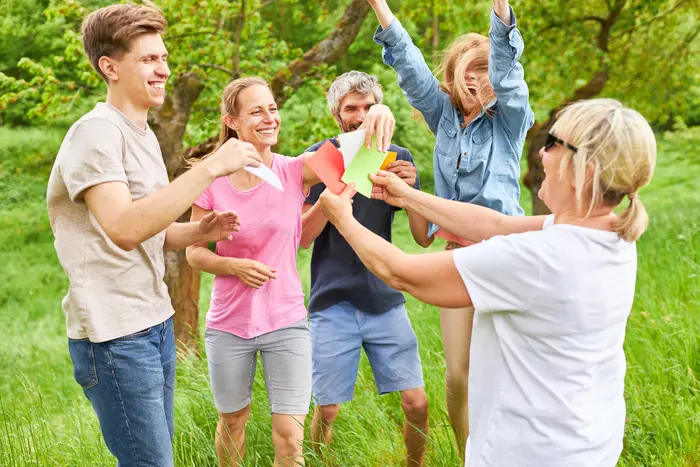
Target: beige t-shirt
(112, 292)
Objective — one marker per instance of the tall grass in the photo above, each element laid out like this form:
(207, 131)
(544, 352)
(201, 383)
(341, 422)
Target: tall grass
(46, 421)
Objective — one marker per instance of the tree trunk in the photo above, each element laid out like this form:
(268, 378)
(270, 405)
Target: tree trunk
(169, 122)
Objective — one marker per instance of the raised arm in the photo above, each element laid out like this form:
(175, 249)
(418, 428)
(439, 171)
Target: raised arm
(432, 278)
(470, 221)
(506, 73)
(416, 80)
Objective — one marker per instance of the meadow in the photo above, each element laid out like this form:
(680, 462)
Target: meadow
(46, 421)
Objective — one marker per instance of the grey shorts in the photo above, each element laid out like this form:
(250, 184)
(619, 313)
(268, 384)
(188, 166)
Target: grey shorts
(286, 359)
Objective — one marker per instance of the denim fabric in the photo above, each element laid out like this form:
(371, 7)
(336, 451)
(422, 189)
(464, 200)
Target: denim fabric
(490, 147)
(337, 335)
(130, 383)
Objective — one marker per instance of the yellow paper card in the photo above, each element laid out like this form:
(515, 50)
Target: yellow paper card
(391, 157)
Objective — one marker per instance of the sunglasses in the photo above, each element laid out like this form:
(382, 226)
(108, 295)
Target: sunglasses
(552, 140)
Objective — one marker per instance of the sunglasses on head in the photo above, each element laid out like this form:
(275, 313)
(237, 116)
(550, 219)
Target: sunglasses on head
(552, 140)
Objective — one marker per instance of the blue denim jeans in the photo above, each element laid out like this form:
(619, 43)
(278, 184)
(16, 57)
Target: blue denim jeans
(130, 383)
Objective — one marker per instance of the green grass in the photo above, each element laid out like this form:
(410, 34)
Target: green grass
(46, 421)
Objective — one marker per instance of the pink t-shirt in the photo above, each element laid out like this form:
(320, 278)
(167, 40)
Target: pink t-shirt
(270, 233)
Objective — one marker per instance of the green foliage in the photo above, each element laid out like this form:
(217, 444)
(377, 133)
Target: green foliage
(45, 419)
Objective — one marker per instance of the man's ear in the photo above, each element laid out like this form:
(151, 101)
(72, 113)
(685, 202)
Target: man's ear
(108, 67)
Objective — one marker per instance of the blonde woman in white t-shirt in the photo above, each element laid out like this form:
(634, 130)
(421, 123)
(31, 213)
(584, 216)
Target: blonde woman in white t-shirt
(552, 293)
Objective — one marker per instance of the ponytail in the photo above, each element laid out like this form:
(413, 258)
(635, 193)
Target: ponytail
(633, 221)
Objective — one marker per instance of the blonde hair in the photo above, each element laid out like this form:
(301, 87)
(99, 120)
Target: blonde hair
(469, 52)
(618, 144)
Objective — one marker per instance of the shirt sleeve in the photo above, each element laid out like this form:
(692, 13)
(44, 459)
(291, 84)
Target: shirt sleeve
(416, 79)
(502, 273)
(508, 76)
(95, 156)
(205, 201)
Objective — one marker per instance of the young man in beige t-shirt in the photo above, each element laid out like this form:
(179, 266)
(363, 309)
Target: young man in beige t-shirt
(113, 212)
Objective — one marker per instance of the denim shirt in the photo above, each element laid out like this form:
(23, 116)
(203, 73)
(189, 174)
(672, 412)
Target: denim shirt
(490, 146)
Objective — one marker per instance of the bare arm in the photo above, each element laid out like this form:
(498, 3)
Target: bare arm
(383, 12)
(502, 10)
(419, 229)
(313, 221)
(128, 223)
(212, 227)
(470, 221)
(432, 278)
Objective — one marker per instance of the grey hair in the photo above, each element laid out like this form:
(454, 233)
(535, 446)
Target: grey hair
(353, 81)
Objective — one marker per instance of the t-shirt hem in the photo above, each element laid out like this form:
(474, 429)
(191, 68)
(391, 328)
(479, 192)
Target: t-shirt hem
(292, 317)
(104, 337)
(371, 311)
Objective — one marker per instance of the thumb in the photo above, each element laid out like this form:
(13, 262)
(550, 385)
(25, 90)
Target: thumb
(348, 191)
(380, 178)
(208, 217)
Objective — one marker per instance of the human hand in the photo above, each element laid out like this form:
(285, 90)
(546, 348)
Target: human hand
(253, 273)
(337, 208)
(380, 123)
(390, 188)
(217, 226)
(232, 156)
(405, 170)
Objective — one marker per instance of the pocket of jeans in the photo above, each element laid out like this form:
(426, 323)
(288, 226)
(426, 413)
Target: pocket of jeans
(82, 355)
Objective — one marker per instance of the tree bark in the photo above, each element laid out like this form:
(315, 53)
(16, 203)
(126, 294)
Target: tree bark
(169, 122)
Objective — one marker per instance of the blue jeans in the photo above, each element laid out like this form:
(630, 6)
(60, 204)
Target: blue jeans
(337, 335)
(130, 383)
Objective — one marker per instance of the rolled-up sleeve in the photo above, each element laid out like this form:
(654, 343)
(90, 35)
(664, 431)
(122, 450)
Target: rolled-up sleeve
(416, 80)
(507, 76)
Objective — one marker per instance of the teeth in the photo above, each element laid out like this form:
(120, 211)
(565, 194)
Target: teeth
(158, 85)
(267, 132)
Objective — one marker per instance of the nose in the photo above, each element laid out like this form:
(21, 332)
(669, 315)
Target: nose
(163, 69)
(541, 153)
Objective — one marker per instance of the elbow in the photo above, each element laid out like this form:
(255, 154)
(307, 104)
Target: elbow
(191, 256)
(123, 240)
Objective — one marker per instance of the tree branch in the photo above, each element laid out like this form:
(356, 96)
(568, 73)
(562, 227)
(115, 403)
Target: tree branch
(217, 67)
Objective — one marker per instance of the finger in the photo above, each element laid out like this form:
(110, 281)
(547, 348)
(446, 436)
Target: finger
(388, 133)
(380, 135)
(348, 191)
(400, 163)
(208, 218)
(369, 126)
(380, 178)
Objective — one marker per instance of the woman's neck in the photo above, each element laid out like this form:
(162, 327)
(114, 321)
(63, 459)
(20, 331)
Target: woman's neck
(600, 218)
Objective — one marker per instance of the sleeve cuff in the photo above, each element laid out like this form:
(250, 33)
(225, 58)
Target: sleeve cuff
(498, 27)
(390, 36)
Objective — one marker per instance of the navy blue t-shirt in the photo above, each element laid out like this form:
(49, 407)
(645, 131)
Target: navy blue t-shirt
(337, 274)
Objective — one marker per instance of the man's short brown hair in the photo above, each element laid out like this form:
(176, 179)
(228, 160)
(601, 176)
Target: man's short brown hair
(107, 32)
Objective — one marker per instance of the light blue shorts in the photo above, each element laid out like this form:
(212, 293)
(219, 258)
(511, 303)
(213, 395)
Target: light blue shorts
(338, 333)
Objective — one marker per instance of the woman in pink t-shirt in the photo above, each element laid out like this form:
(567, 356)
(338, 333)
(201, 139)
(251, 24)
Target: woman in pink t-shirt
(257, 302)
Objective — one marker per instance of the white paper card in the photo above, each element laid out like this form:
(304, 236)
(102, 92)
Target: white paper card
(350, 143)
(266, 174)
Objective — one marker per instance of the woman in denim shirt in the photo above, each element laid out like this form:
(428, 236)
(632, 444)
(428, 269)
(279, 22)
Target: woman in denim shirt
(480, 116)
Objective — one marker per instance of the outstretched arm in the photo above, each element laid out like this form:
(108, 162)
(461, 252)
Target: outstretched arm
(470, 221)
(432, 278)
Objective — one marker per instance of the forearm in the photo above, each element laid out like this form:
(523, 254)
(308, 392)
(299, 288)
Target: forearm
(313, 221)
(200, 257)
(144, 218)
(180, 235)
(384, 14)
(419, 229)
(470, 221)
(502, 10)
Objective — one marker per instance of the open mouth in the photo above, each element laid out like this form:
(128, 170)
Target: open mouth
(157, 85)
(267, 131)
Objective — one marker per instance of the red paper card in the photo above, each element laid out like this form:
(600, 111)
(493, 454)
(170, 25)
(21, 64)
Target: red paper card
(328, 164)
(450, 237)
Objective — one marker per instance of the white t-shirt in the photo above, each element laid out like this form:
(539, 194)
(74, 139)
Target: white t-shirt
(547, 367)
